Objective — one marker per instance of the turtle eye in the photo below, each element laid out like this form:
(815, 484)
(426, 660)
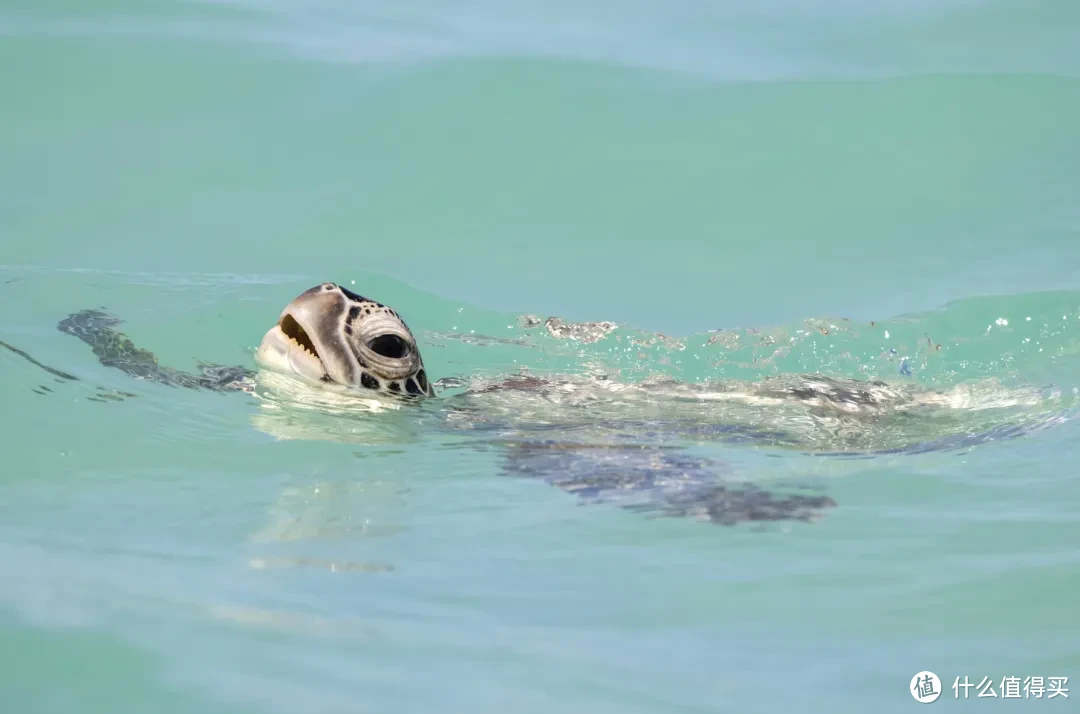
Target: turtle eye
(391, 346)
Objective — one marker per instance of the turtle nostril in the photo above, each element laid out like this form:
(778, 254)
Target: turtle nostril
(390, 346)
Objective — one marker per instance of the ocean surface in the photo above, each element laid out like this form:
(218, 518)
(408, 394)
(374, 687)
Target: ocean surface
(885, 191)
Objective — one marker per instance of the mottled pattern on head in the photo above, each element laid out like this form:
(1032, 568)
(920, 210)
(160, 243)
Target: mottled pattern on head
(331, 334)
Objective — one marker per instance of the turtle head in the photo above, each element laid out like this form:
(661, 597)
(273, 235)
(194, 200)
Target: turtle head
(331, 335)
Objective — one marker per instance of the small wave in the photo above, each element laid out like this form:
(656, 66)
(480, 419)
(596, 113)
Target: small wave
(164, 278)
(974, 371)
(732, 41)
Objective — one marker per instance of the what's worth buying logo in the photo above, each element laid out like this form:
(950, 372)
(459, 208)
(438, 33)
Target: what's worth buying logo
(925, 687)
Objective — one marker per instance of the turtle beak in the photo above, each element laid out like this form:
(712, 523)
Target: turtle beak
(287, 347)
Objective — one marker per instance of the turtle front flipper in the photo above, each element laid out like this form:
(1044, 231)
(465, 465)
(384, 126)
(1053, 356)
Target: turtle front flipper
(114, 349)
(657, 480)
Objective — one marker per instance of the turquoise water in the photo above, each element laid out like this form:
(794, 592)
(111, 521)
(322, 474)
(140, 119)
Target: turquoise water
(781, 188)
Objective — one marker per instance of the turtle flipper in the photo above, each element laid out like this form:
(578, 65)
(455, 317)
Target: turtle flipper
(657, 480)
(731, 504)
(114, 349)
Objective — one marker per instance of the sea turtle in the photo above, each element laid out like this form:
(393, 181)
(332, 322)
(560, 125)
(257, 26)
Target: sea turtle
(336, 352)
